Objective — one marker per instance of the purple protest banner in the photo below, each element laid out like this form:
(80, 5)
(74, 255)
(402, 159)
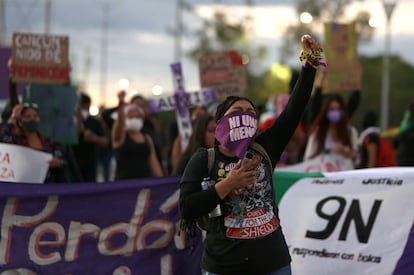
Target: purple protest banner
(182, 103)
(128, 227)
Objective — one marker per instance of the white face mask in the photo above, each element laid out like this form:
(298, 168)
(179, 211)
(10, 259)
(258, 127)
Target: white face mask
(85, 114)
(134, 124)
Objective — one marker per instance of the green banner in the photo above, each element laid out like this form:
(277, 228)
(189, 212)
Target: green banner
(283, 180)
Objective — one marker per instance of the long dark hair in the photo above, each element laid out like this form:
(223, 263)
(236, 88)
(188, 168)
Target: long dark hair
(321, 124)
(197, 138)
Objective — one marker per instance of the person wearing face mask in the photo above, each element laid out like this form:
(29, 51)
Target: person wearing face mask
(331, 131)
(134, 151)
(22, 129)
(243, 232)
(91, 138)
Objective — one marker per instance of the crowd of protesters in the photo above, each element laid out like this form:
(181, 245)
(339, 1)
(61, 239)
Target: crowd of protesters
(127, 141)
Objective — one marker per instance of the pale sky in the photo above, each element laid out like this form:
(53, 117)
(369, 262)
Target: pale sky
(140, 49)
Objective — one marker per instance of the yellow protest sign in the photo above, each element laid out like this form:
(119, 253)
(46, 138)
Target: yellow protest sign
(344, 69)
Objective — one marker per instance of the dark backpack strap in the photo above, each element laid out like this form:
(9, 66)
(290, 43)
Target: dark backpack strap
(211, 158)
(259, 148)
(204, 221)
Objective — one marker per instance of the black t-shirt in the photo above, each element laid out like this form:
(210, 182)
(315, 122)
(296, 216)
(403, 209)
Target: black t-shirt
(247, 238)
(132, 159)
(86, 152)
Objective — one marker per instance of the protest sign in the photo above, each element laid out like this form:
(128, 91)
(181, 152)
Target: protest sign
(223, 71)
(168, 103)
(182, 113)
(40, 58)
(181, 101)
(344, 71)
(23, 164)
(56, 110)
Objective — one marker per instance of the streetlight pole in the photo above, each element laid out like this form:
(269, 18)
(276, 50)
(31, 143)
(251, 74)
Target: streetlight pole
(389, 6)
(104, 52)
(48, 10)
(3, 32)
(178, 31)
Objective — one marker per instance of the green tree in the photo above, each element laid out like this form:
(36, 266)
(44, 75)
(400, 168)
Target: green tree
(401, 83)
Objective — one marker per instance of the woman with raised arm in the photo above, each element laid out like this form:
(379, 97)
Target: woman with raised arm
(244, 235)
(134, 151)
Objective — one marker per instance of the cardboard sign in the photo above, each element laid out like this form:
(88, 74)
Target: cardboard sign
(344, 69)
(23, 164)
(40, 58)
(56, 109)
(223, 71)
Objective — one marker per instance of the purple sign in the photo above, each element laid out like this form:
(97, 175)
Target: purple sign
(128, 227)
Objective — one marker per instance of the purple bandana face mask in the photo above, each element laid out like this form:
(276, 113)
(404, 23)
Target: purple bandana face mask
(334, 116)
(236, 131)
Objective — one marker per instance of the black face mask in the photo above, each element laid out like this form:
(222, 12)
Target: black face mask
(30, 126)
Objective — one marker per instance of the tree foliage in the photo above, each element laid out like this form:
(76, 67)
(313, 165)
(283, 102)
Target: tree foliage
(322, 11)
(401, 83)
(220, 34)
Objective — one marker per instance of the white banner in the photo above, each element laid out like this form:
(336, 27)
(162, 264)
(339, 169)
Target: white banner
(321, 163)
(23, 164)
(348, 225)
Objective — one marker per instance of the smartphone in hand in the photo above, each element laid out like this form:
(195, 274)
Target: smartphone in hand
(250, 157)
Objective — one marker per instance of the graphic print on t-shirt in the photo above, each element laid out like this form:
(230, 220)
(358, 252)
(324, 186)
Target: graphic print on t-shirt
(251, 208)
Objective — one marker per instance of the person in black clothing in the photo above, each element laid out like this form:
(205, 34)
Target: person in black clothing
(91, 136)
(247, 237)
(404, 141)
(150, 127)
(135, 153)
